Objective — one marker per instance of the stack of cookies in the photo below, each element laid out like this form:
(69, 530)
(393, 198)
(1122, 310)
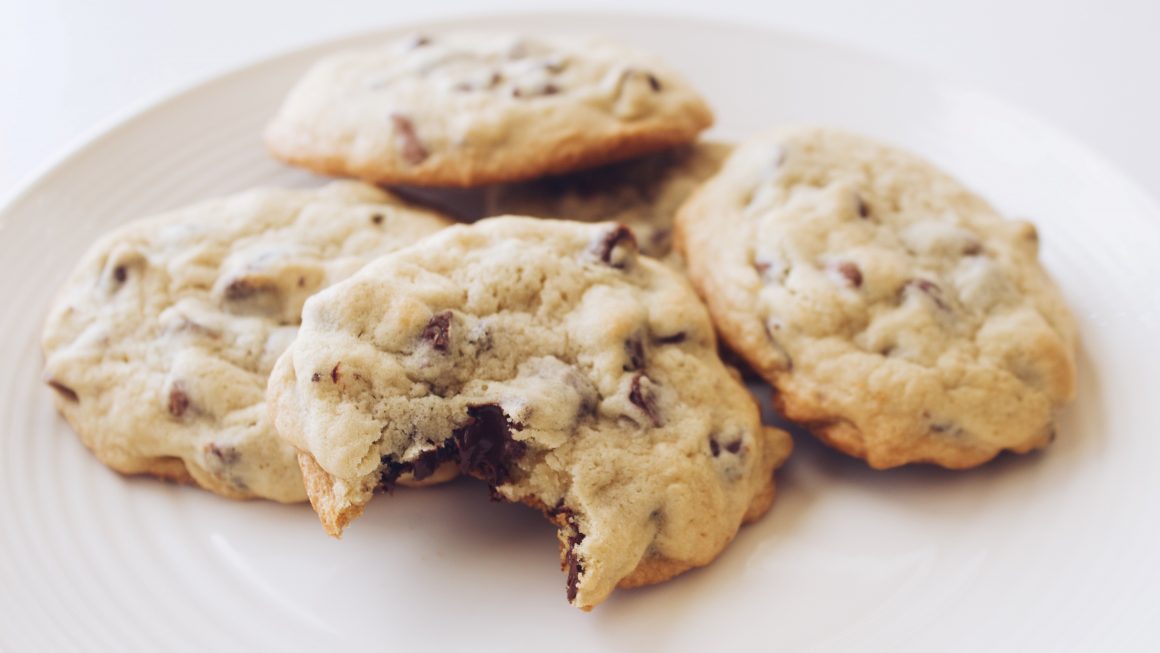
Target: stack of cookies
(331, 344)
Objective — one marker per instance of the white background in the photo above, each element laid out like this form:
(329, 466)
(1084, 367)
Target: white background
(1090, 67)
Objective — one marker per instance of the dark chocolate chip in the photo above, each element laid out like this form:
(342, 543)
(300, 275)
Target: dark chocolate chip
(429, 461)
(714, 446)
(334, 373)
(225, 454)
(315, 378)
(178, 401)
(413, 150)
(437, 331)
(486, 446)
(643, 398)
(973, 248)
(63, 390)
(616, 237)
(120, 273)
(675, 339)
(575, 567)
(634, 351)
(377, 218)
(390, 474)
(654, 83)
(930, 289)
(419, 41)
(551, 89)
(863, 208)
(733, 447)
(240, 289)
(852, 273)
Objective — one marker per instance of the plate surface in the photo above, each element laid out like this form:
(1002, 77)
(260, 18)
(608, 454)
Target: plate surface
(1054, 551)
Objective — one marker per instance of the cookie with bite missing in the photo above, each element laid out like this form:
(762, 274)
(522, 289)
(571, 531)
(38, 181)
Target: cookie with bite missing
(464, 109)
(550, 360)
(160, 343)
(643, 193)
(896, 314)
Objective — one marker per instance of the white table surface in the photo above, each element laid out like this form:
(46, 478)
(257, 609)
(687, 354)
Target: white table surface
(70, 67)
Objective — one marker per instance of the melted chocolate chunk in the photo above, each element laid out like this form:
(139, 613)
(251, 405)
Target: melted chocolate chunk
(437, 331)
(120, 273)
(413, 150)
(643, 398)
(852, 273)
(606, 248)
(575, 567)
(675, 339)
(64, 391)
(178, 401)
(485, 444)
(634, 350)
(390, 474)
(429, 461)
(335, 375)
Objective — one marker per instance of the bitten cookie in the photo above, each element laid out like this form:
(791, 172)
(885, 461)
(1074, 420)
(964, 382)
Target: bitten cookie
(643, 194)
(463, 109)
(160, 343)
(548, 359)
(896, 314)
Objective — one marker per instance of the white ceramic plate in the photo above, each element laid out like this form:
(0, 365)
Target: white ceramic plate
(1050, 552)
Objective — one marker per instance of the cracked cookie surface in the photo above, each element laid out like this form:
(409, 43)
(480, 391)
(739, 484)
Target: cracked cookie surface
(160, 343)
(464, 109)
(551, 361)
(897, 315)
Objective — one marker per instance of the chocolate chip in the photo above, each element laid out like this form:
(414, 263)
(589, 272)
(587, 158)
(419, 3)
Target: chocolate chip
(930, 289)
(575, 567)
(390, 474)
(377, 218)
(486, 446)
(437, 331)
(654, 83)
(429, 461)
(413, 150)
(863, 208)
(334, 373)
(733, 447)
(616, 246)
(777, 345)
(973, 248)
(120, 273)
(419, 41)
(551, 89)
(852, 273)
(642, 396)
(714, 446)
(634, 350)
(225, 454)
(315, 378)
(241, 289)
(64, 391)
(178, 401)
(675, 339)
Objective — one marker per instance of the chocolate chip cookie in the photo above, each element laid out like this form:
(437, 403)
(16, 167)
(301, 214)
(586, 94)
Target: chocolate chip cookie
(160, 342)
(642, 194)
(463, 109)
(897, 315)
(550, 360)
